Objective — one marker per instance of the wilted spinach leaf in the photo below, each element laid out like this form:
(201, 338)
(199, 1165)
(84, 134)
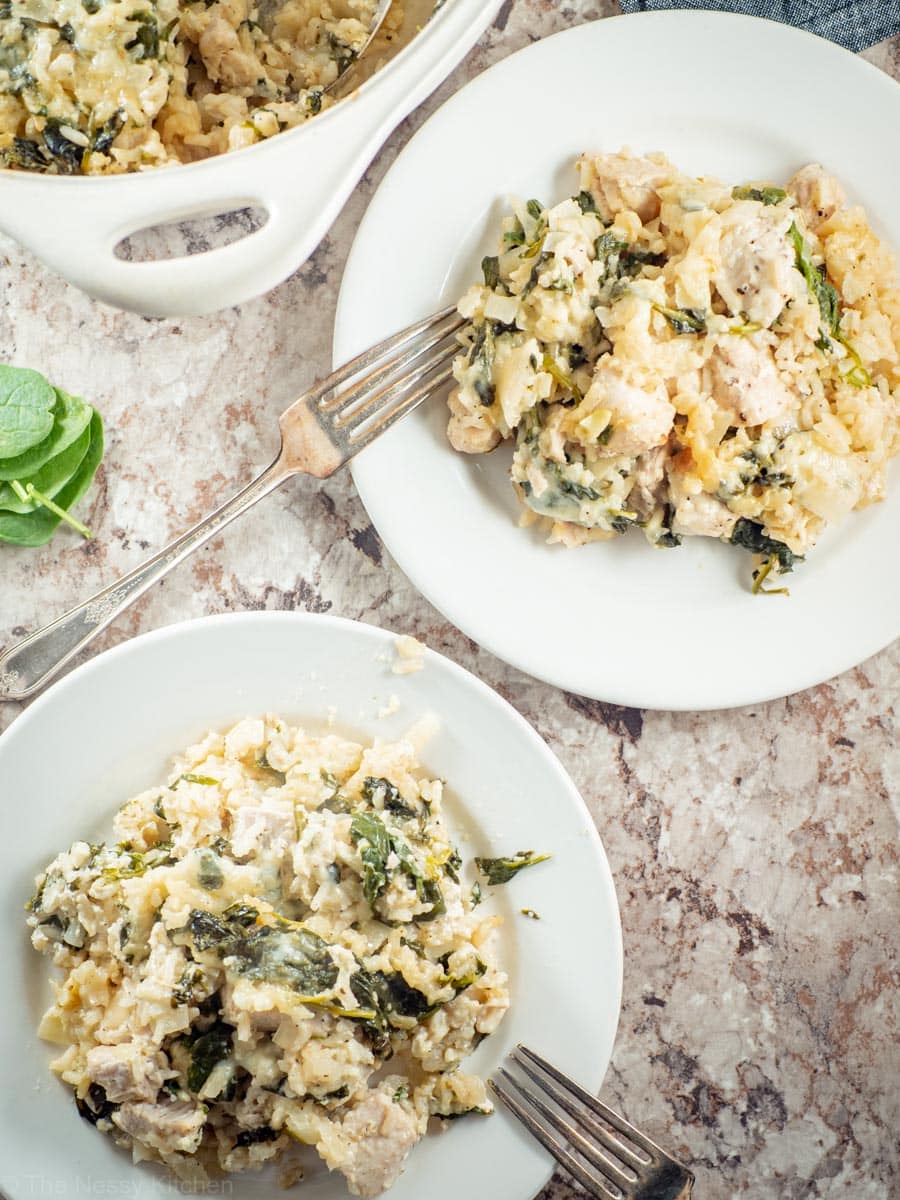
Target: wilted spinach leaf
(376, 845)
(208, 931)
(145, 43)
(293, 956)
(490, 268)
(824, 293)
(68, 154)
(206, 1052)
(501, 870)
(388, 793)
(765, 195)
(369, 830)
(683, 320)
(108, 132)
(209, 871)
(750, 536)
(252, 1137)
(95, 1107)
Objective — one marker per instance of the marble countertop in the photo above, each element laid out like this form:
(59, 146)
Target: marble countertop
(754, 850)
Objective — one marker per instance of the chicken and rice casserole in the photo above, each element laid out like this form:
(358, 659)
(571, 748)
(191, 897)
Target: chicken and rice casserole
(105, 86)
(278, 949)
(686, 357)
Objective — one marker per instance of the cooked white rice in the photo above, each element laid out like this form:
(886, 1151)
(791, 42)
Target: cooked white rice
(686, 357)
(105, 86)
(275, 925)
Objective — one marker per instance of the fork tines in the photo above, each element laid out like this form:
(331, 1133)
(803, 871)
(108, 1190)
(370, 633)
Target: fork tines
(360, 399)
(602, 1151)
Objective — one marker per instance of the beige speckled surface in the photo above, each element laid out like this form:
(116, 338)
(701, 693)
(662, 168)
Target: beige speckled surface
(753, 850)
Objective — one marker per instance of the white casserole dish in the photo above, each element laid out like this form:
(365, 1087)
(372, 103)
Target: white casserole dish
(301, 178)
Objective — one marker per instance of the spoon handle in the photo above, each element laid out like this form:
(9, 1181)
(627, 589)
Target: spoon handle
(28, 665)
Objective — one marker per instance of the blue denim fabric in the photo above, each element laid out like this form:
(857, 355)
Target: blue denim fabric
(855, 24)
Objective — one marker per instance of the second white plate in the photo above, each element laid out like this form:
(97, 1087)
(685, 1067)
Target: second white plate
(108, 730)
(617, 621)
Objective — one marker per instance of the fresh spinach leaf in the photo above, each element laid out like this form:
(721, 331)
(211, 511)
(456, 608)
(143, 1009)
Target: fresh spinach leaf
(50, 479)
(26, 409)
(36, 528)
(71, 417)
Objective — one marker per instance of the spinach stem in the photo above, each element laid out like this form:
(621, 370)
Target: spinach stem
(30, 493)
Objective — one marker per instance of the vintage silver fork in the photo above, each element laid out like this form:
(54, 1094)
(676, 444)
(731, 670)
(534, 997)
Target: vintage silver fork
(626, 1164)
(320, 432)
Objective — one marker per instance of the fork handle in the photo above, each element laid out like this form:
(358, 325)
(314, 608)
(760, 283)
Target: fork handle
(31, 663)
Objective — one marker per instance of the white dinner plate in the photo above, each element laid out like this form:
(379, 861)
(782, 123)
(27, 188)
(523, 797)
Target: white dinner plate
(724, 95)
(107, 732)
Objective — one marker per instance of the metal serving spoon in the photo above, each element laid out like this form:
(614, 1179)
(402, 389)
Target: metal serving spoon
(338, 87)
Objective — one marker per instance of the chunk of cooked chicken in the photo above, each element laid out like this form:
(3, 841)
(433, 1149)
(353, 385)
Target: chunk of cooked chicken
(125, 1072)
(470, 431)
(625, 182)
(371, 1144)
(641, 417)
(756, 274)
(818, 194)
(173, 1126)
(259, 826)
(648, 489)
(745, 381)
(226, 61)
(698, 513)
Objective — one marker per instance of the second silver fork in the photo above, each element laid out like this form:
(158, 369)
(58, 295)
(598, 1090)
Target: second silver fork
(320, 432)
(610, 1158)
